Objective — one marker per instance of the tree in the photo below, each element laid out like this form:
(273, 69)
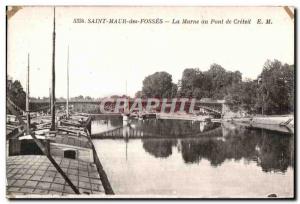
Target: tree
(289, 73)
(138, 94)
(174, 90)
(16, 93)
(221, 80)
(88, 98)
(209, 84)
(271, 93)
(189, 78)
(276, 89)
(243, 96)
(159, 85)
(79, 98)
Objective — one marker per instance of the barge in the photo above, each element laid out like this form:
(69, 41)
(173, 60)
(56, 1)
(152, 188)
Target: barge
(32, 173)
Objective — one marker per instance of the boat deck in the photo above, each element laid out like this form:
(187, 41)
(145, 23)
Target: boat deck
(34, 174)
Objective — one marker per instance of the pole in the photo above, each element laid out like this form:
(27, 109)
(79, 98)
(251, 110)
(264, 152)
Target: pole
(27, 99)
(68, 85)
(126, 87)
(50, 103)
(53, 79)
(126, 109)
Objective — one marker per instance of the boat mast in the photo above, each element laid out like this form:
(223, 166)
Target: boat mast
(50, 104)
(53, 79)
(126, 109)
(27, 99)
(126, 87)
(68, 85)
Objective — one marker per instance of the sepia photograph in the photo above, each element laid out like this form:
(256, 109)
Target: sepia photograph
(150, 102)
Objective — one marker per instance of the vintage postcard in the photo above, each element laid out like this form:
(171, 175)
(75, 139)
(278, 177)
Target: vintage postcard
(150, 102)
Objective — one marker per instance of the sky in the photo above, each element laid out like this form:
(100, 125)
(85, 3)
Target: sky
(104, 56)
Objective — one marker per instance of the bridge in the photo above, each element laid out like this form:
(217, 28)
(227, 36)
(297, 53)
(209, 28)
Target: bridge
(127, 132)
(217, 107)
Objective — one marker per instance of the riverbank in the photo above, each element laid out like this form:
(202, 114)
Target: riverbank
(282, 123)
(181, 116)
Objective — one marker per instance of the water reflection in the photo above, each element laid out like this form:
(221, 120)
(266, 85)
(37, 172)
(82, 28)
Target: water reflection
(104, 123)
(169, 128)
(272, 151)
(159, 148)
(215, 142)
(154, 128)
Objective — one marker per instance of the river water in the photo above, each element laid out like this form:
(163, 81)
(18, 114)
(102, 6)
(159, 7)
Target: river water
(193, 159)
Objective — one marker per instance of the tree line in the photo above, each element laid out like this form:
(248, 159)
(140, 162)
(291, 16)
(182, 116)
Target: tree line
(272, 92)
